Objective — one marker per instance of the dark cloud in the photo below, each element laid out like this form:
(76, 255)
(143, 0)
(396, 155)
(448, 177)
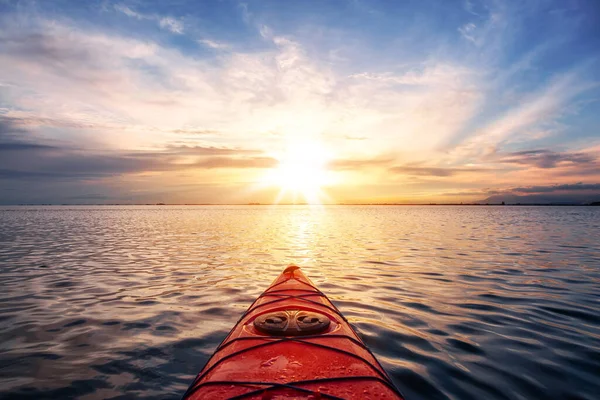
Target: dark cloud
(9, 131)
(232, 162)
(542, 158)
(209, 150)
(581, 163)
(432, 171)
(67, 55)
(24, 122)
(10, 174)
(35, 160)
(42, 46)
(11, 135)
(15, 146)
(84, 165)
(65, 164)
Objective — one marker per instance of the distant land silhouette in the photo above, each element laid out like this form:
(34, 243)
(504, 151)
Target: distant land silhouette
(542, 198)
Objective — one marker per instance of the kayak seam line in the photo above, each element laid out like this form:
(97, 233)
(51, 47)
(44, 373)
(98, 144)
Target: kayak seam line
(287, 290)
(276, 385)
(280, 385)
(322, 336)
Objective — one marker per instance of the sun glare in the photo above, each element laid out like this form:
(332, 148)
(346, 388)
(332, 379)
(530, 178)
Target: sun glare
(301, 173)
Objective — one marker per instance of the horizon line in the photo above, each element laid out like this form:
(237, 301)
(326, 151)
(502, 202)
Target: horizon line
(594, 203)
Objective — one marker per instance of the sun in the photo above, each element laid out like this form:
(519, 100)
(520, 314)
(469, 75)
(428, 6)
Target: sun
(301, 173)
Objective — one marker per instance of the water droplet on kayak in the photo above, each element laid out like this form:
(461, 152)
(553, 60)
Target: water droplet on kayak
(269, 362)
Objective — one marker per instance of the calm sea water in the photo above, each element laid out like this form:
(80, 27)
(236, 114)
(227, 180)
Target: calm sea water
(456, 302)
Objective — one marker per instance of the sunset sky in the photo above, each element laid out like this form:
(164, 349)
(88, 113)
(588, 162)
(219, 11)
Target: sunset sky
(326, 101)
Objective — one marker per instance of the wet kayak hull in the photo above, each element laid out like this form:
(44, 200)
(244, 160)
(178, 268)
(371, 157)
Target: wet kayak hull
(292, 342)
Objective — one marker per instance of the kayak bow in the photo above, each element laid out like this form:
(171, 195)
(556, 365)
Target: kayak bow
(292, 343)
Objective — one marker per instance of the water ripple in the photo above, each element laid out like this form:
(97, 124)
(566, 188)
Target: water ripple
(456, 302)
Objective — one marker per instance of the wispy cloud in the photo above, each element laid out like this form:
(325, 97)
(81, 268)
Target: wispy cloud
(166, 22)
(360, 164)
(544, 158)
(434, 171)
(532, 113)
(171, 24)
(129, 12)
(213, 44)
(468, 31)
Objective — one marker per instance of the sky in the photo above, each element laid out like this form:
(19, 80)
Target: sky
(338, 101)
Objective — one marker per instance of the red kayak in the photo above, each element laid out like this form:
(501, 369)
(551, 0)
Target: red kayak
(292, 343)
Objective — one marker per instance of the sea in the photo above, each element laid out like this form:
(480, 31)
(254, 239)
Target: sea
(456, 302)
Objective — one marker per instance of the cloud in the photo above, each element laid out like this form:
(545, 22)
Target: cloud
(415, 110)
(208, 151)
(433, 171)
(165, 22)
(77, 165)
(38, 160)
(427, 75)
(28, 120)
(128, 11)
(11, 135)
(189, 131)
(541, 108)
(136, 85)
(544, 158)
(213, 44)
(171, 24)
(467, 31)
(359, 164)
(9, 174)
(8, 130)
(230, 162)
(16, 146)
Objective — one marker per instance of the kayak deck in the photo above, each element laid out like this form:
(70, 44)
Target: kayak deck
(292, 343)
